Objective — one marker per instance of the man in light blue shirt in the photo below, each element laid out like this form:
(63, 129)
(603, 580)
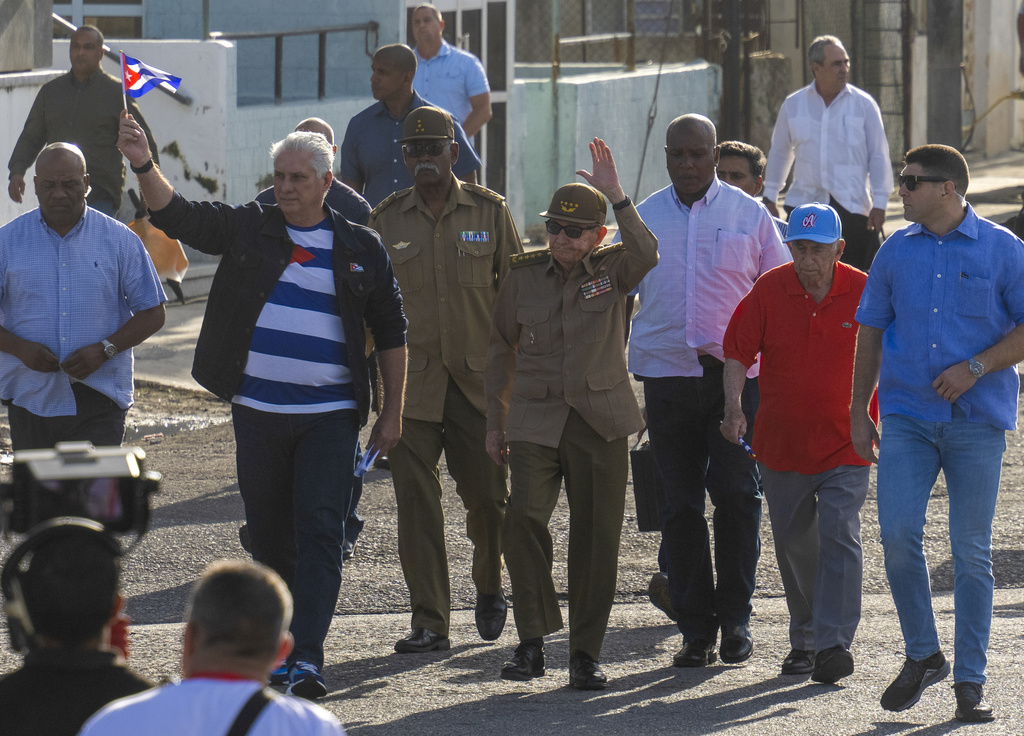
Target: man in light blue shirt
(941, 332)
(77, 292)
(449, 77)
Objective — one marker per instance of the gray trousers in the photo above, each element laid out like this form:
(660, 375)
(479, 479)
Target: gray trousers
(816, 525)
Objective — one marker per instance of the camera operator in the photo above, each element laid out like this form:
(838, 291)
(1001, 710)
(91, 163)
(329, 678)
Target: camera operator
(62, 608)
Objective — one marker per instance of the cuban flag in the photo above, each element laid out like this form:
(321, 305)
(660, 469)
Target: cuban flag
(137, 78)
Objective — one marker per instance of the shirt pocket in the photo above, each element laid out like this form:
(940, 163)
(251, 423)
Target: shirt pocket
(734, 251)
(408, 268)
(596, 315)
(534, 330)
(973, 296)
(853, 132)
(476, 259)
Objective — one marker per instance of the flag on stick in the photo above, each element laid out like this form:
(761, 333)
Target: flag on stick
(137, 78)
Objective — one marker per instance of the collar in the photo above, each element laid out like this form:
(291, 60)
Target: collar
(380, 109)
(89, 80)
(842, 93)
(841, 281)
(968, 227)
(73, 231)
(707, 199)
(446, 48)
(457, 196)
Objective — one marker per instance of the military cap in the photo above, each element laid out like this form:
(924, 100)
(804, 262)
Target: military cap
(578, 203)
(427, 123)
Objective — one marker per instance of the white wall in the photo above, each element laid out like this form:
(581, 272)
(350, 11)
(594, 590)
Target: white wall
(17, 93)
(609, 105)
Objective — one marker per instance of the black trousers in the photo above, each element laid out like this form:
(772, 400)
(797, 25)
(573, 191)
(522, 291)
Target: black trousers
(861, 243)
(97, 419)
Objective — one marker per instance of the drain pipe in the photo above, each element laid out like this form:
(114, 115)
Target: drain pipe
(555, 73)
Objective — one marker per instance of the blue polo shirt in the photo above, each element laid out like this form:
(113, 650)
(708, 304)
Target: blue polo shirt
(942, 300)
(372, 156)
(450, 78)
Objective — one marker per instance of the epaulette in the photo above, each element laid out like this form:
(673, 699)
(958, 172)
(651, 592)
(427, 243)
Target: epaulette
(525, 259)
(606, 249)
(483, 192)
(386, 202)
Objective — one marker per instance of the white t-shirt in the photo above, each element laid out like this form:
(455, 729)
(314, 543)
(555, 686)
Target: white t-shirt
(202, 706)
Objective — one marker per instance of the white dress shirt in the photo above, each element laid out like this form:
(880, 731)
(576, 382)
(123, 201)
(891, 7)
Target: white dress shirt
(837, 147)
(710, 256)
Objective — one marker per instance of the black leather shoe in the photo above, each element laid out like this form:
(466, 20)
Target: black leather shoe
(737, 644)
(798, 662)
(970, 708)
(832, 665)
(422, 640)
(527, 662)
(585, 673)
(491, 610)
(695, 653)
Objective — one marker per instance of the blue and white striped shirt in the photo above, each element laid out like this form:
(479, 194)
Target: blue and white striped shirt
(298, 360)
(66, 293)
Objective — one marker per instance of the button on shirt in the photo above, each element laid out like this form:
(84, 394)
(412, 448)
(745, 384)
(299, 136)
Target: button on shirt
(711, 254)
(837, 148)
(66, 293)
(943, 300)
(372, 155)
(450, 78)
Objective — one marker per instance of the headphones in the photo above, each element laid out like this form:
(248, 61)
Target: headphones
(19, 622)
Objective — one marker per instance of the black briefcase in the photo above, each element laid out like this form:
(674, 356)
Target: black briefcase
(645, 488)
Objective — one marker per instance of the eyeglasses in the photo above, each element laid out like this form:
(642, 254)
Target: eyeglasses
(571, 231)
(415, 150)
(911, 182)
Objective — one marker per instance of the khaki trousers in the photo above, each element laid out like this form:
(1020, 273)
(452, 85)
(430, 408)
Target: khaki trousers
(595, 485)
(480, 484)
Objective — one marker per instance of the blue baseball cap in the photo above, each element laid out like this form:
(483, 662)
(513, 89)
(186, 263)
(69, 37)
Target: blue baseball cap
(817, 222)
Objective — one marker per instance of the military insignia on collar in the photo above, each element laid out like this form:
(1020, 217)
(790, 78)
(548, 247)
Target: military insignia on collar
(474, 236)
(596, 287)
(400, 245)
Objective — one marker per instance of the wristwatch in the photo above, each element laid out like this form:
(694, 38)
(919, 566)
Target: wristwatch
(109, 349)
(977, 369)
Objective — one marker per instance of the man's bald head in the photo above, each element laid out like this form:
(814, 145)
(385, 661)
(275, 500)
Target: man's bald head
(61, 185)
(61, 150)
(693, 124)
(399, 56)
(316, 125)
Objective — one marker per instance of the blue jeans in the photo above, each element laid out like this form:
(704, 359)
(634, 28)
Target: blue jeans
(295, 477)
(694, 461)
(970, 455)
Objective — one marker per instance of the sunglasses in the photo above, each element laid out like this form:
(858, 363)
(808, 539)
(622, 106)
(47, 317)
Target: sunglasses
(415, 150)
(911, 182)
(571, 231)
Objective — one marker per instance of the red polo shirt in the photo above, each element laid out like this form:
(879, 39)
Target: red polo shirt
(806, 380)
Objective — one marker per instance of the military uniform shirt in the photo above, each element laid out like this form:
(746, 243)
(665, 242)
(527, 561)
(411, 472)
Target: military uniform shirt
(449, 272)
(563, 338)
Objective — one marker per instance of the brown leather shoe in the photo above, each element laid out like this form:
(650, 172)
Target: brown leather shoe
(657, 591)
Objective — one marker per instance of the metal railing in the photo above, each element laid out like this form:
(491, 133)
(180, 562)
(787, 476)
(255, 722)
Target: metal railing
(321, 33)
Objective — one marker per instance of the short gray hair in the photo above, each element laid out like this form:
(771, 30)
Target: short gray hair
(816, 52)
(321, 153)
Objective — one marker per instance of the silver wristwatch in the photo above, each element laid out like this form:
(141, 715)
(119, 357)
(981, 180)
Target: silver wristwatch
(977, 369)
(110, 350)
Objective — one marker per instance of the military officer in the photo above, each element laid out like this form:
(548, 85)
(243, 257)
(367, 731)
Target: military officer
(450, 244)
(560, 405)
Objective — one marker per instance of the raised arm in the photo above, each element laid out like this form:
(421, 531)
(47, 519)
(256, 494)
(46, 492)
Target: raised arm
(134, 145)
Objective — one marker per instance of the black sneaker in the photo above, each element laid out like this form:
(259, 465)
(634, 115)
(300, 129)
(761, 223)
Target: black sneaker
(916, 675)
(970, 708)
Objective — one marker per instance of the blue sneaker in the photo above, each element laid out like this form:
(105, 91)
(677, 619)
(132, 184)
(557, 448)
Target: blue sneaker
(305, 681)
(279, 675)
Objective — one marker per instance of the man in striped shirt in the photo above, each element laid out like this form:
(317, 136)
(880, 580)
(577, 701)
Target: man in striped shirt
(283, 340)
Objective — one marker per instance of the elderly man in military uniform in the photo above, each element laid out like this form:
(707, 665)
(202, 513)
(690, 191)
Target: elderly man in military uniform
(450, 244)
(560, 405)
